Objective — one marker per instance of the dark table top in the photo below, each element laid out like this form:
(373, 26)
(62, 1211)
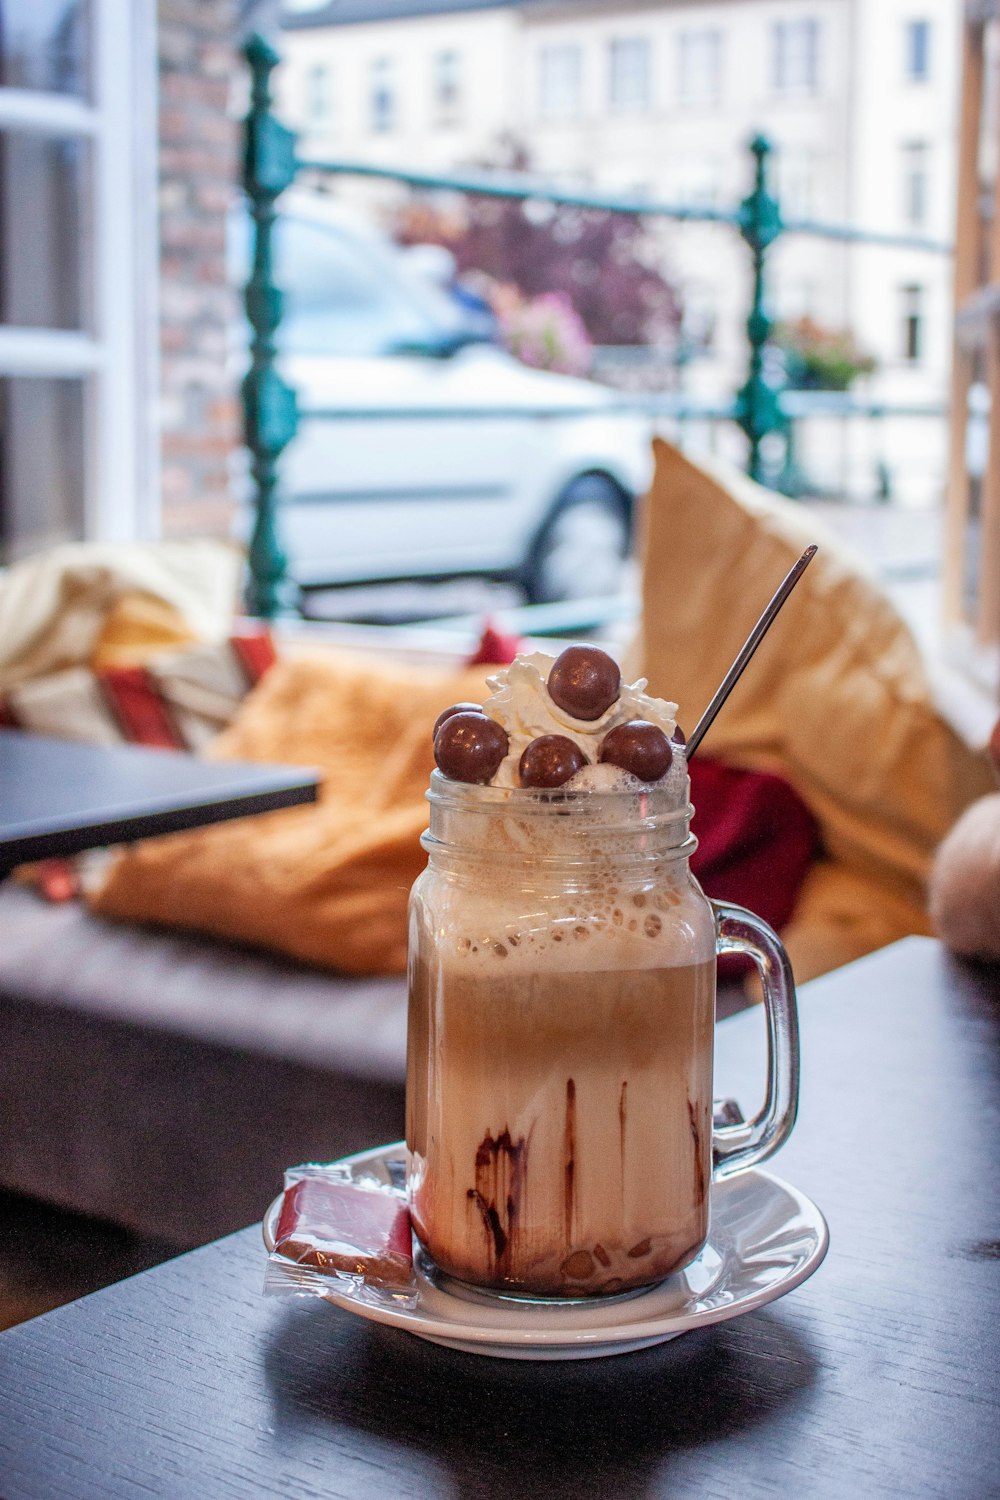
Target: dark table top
(878, 1377)
(57, 797)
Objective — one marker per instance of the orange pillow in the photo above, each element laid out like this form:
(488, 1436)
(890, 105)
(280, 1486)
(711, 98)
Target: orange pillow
(329, 883)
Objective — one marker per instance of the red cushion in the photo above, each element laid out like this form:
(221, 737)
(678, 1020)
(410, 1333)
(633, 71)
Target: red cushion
(756, 840)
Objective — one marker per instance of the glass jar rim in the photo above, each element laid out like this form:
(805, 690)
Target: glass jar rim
(626, 811)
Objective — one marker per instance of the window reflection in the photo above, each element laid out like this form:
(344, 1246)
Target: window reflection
(43, 190)
(42, 464)
(45, 44)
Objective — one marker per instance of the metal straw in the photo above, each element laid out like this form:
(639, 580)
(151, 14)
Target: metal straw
(753, 640)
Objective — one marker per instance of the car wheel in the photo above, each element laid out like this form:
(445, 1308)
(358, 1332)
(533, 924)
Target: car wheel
(582, 549)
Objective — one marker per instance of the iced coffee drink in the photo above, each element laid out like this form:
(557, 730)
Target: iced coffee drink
(562, 991)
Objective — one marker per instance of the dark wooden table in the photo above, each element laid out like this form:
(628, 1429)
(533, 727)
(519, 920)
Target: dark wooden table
(57, 797)
(879, 1377)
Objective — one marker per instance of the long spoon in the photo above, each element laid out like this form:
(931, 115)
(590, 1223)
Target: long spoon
(753, 640)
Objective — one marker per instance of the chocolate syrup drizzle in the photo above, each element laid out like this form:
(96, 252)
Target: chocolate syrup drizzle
(497, 1193)
(569, 1160)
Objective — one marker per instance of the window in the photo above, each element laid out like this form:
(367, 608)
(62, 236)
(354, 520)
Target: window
(797, 172)
(77, 272)
(559, 75)
(628, 83)
(699, 67)
(917, 51)
(382, 96)
(795, 56)
(915, 158)
(447, 87)
(319, 96)
(912, 302)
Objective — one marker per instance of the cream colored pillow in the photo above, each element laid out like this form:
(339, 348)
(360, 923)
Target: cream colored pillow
(836, 699)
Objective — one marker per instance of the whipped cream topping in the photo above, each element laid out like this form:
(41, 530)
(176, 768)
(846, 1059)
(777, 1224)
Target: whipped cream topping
(520, 702)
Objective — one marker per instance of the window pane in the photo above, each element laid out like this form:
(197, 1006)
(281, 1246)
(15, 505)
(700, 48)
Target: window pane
(42, 464)
(699, 55)
(43, 213)
(795, 55)
(629, 88)
(45, 44)
(915, 194)
(382, 95)
(559, 81)
(912, 302)
(918, 50)
(447, 85)
(319, 96)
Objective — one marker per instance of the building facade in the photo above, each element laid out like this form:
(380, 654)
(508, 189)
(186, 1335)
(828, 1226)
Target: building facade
(858, 99)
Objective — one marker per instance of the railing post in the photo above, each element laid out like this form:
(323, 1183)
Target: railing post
(758, 408)
(269, 409)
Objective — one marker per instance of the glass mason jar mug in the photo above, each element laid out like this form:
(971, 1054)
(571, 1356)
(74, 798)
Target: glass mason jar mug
(560, 1044)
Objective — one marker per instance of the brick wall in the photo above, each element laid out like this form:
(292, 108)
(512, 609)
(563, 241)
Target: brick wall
(199, 156)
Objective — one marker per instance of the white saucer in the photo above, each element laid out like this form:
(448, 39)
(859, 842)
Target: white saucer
(765, 1239)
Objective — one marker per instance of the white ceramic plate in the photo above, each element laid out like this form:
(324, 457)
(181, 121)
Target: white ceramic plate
(765, 1239)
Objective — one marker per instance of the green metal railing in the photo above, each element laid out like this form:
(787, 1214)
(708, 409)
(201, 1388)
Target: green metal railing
(760, 408)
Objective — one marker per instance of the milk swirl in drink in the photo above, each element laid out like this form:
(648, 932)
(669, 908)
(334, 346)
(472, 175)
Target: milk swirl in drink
(562, 987)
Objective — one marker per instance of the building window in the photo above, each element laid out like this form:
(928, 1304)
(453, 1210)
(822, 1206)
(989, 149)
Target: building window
(917, 51)
(77, 273)
(559, 76)
(699, 67)
(795, 56)
(628, 81)
(912, 302)
(319, 96)
(382, 96)
(915, 195)
(447, 87)
(797, 173)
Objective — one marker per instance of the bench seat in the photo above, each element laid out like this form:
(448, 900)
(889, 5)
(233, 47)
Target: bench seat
(164, 1081)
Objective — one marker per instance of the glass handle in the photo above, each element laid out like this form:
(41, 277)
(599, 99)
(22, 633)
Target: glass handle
(735, 1147)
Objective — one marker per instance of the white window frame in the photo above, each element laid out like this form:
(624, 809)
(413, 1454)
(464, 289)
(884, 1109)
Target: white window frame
(795, 55)
(916, 157)
(560, 80)
(319, 96)
(119, 359)
(630, 75)
(699, 65)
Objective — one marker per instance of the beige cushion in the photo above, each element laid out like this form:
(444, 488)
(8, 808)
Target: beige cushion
(836, 699)
(89, 603)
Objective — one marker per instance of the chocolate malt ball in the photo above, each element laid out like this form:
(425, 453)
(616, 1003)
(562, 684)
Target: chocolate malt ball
(550, 760)
(584, 681)
(639, 747)
(456, 708)
(470, 746)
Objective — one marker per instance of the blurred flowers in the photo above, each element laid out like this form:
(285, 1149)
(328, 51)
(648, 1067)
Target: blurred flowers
(545, 332)
(821, 359)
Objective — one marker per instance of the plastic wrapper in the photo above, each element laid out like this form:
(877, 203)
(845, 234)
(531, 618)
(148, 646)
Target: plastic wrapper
(345, 1233)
